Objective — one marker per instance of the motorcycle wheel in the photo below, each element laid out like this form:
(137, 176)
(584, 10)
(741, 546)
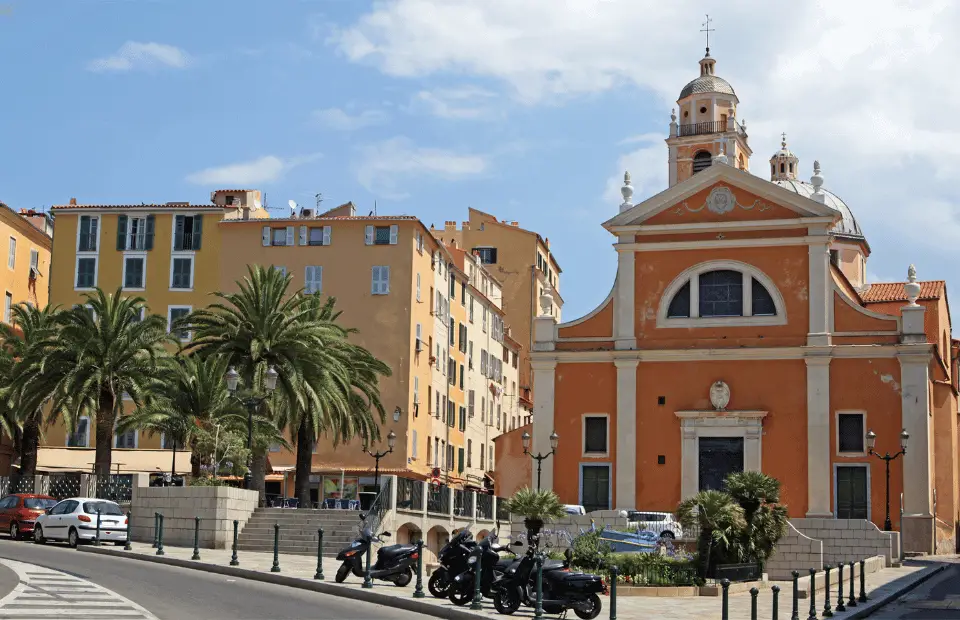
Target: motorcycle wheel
(342, 572)
(404, 578)
(506, 601)
(438, 585)
(461, 596)
(594, 610)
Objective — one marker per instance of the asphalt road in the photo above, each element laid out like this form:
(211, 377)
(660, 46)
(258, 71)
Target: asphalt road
(173, 593)
(936, 599)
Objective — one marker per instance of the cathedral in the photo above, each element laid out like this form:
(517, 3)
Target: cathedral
(741, 334)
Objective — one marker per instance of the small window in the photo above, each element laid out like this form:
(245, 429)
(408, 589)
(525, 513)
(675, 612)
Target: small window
(133, 268)
(783, 168)
(136, 236)
(762, 301)
(80, 436)
(791, 166)
(126, 440)
(380, 280)
(87, 237)
(381, 235)
(8, 308)
(488, 256)
(35, 260)
(835, 258)
(86, 272)
(680, 304)
(313, 279)
(182, 277)
(702, 161)
(12, 253)
(278, 236)
(177, 313)
(721, 293)
(320, 235)
(850, 433)
(187, 232)
(595, 435)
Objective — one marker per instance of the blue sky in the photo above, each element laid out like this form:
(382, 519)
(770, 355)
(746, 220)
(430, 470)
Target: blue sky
(529, 110)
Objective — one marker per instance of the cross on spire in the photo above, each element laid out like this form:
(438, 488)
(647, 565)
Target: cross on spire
(783, 138)
(707, 29)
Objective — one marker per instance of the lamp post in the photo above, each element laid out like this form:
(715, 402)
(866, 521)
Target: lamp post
(886, 458)
(251, 403)
(539, 458)
(391, 442)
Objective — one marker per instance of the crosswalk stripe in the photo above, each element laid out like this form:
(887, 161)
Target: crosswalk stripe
(45, 593)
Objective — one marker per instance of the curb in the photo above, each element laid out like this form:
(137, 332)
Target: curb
(322, 587)
(876, 604)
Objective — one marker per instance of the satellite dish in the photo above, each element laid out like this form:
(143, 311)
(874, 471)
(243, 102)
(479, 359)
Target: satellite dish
(293, 204)
(256, 204)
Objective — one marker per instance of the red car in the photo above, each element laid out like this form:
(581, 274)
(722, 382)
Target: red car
(18, 512)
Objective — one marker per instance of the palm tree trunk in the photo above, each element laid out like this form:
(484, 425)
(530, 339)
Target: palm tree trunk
(104, 442)
(304, 464)
(30, 445)
(195, 460)
(704, 544)
(258, 473)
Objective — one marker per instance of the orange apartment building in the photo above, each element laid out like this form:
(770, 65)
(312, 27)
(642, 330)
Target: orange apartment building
(26, 278)
(741, 334)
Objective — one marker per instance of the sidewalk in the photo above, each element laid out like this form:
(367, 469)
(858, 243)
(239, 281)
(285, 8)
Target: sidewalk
(298, 571)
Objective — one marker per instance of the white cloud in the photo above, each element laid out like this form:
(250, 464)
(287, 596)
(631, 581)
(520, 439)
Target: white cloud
(383, 167)
(134, 55)
(338, 119)
(262, 170)
(468, 102)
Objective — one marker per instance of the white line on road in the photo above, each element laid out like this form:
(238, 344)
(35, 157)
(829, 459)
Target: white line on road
(46, 593)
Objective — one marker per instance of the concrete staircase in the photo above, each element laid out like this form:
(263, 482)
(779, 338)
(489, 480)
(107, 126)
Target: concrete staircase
(298, 530)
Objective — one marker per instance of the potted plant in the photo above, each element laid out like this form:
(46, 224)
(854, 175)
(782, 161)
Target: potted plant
(535, 507)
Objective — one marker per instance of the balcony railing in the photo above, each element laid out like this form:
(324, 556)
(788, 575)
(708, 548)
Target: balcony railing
(708, 127)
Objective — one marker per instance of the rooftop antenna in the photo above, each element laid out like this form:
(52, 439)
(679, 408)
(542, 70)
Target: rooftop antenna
(319, 198)
(374, 207)
(707, 29)
(293, 207)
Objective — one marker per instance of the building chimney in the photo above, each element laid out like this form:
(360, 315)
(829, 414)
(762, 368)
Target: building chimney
(73, 201)
(515, 224)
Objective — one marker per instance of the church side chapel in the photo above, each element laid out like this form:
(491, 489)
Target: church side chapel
(741, 334)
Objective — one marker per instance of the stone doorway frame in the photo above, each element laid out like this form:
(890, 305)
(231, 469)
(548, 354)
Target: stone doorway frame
(696, 424)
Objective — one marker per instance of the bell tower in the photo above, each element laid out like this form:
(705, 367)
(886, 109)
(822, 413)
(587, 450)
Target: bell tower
(704, 124)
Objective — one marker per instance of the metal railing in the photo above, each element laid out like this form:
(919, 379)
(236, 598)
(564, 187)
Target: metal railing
(409, 494)
(438, 500)
(709, 127)
(659, 574)
(460, 503)
(750, 571)
(484, 507)
(381, 504)
(502, 513)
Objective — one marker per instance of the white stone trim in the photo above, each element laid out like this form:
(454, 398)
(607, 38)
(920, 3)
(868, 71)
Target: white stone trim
(694, 424)
(713, 244)
(626, 437)
(583, 436)
(624, 301)
(659, 229)
(916, 416)
(692, 275)
(836, 432)
(543, 416)
(586, 339)
(818, 436)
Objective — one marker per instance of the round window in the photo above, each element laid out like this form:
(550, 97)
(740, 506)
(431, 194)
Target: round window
(703, 110)
(686, 114)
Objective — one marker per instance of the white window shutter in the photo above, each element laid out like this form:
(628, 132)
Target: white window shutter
(303, 235)
(308, 279)
(375, 280)
(419, 332)
(291, 232)
(414, 450)
(326, 235)
(385, 279)
(368, 235)
(266, 236)
(394, 233)
(318, 278)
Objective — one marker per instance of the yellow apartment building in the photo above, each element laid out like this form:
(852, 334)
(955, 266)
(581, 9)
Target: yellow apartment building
(521, 259)
(28, 237)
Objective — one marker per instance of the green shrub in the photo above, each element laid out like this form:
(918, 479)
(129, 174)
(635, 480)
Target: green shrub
(208, 481)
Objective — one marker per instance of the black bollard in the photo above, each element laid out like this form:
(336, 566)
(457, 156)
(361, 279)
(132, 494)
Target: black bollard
(476, 604)
(776, 602)
(538, 610)
(160, 538)
(196, 539)
(319, 574)
(276, 549)
(614, 573)
(852, 601)
(156, 528)
(813, 595)
(127, 546)
(234, 561)
(753, 603)
(418, 591)
(863, 581)
(796, 596)
(827, 611)
(840, 605)
(725, 599)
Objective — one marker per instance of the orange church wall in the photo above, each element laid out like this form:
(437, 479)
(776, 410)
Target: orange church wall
(786, 266)
(847, 319)
(600, 324)
(581, 388)
(871, 386)
(935, 319)
(770, 211)
(513, 467)
(946, 474)
(733, 234)
(592, 345)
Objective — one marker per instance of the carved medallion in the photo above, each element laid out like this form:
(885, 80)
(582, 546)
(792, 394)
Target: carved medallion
(721, 200)
(720, 395)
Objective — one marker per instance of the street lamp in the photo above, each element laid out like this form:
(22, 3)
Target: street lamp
(391, 442)
(554, 440)
(251, 403)
(886, 458)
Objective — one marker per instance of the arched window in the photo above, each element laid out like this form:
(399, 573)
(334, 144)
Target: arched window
(702, 161)
(720, 293)
(783, 168)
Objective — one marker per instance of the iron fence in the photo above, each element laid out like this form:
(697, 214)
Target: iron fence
(438, 500)
(116, 487)
(460, 502)
(409, 494)
(502, 513)
(484, 507)
(379, 507)
(64, 485)
(737, 572)
(23, 485)
(658, 574)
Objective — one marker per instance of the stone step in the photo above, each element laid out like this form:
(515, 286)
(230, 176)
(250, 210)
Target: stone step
(302, 540)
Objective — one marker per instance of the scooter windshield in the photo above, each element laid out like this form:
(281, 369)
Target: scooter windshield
(367, 533)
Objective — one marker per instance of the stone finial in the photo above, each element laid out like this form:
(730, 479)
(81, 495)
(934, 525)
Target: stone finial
(817, 179)
(546, 302)
(912, 287)
(673, 115)
(627, 192)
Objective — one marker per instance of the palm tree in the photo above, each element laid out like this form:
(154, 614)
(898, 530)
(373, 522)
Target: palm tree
(259, 327)
(343, 382)
(721, 522)
(766, 519)
(103, 351)
(28, 385)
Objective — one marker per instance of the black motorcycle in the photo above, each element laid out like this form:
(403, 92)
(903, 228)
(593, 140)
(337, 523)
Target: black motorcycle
(453, 561)
(492, 567)
(561, 589)
(394, 562)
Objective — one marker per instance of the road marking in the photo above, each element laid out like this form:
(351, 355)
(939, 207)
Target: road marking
(46, 593)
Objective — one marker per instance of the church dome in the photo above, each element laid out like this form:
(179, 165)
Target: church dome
(847, 226)
(707, 84)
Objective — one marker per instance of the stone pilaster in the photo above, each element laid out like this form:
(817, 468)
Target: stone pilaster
(544, 372)
(626, 436)
(818, 437)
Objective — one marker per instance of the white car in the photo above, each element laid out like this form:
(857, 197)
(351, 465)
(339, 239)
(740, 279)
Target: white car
(75, 520)
(660, 523)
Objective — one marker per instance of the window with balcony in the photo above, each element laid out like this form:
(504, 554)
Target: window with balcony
(187, 232)
(87, 234)
(136, 233)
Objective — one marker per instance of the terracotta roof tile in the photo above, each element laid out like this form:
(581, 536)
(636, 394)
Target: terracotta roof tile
(893, 291)
(231, 191)
(173, 205)
(342, 218)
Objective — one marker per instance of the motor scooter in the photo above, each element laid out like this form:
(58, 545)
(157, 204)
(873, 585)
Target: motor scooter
(561, 589)
(394, 562)
(453, 561)
(492, 567)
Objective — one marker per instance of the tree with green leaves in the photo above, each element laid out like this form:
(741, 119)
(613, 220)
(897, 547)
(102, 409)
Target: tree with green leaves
(765, 518)
(721, 522)
(102, 351)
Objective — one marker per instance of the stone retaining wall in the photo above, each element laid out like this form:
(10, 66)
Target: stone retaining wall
(849, 540)
(217, 508)
(795, 551)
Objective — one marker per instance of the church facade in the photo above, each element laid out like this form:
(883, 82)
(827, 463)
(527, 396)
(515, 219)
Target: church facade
(741, 334)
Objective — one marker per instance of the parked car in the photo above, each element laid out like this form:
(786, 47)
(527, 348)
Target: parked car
(661, 523)
(573, 509)
(19, 511)
(75, 520)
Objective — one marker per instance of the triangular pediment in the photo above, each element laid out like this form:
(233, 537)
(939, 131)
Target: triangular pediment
(721, 193)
